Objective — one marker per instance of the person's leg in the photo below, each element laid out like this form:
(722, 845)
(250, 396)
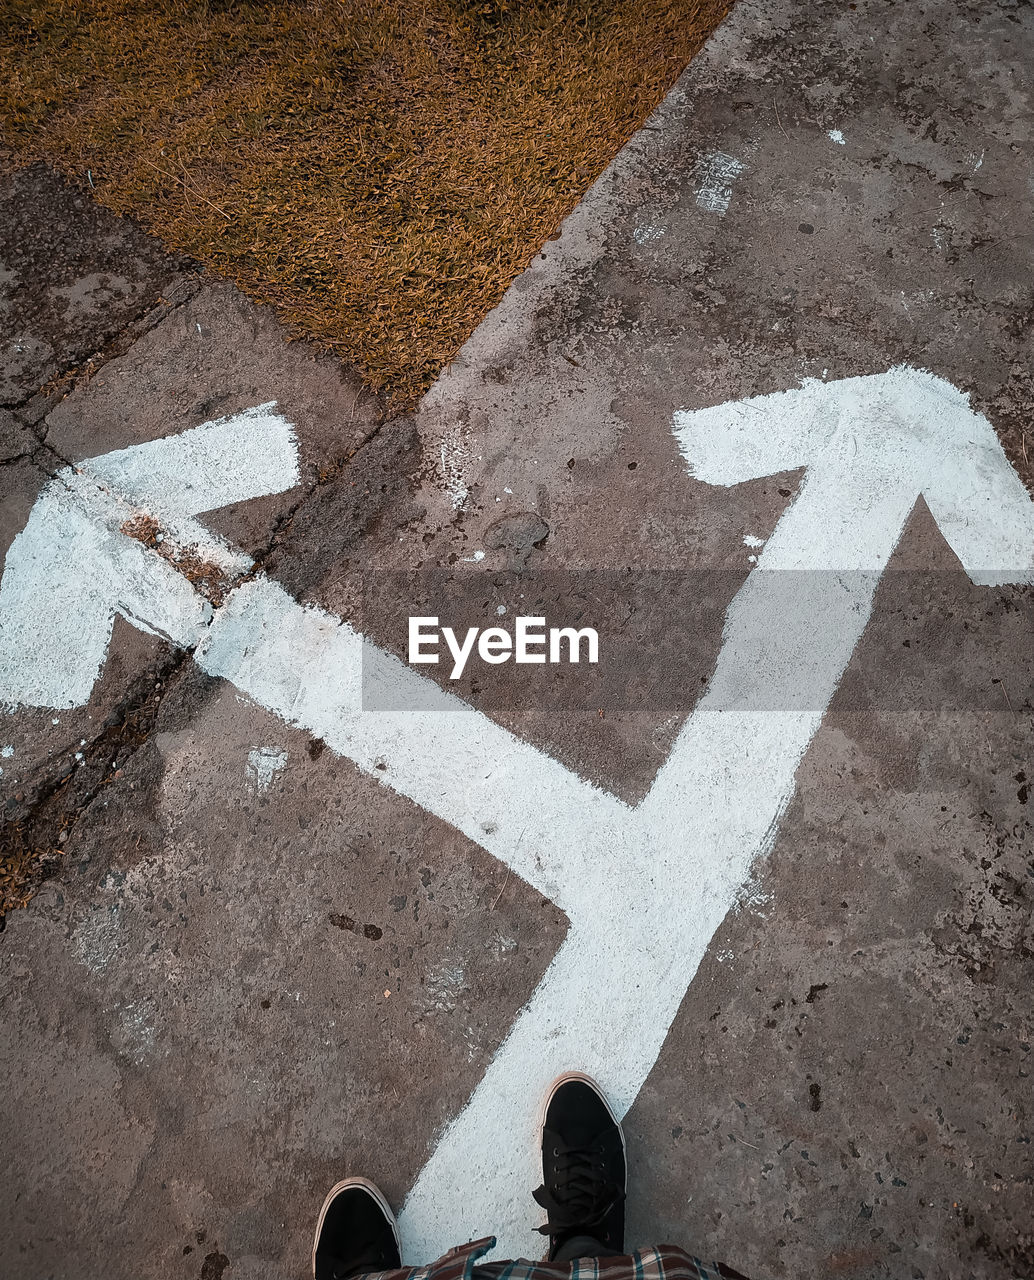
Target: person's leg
(583, 1172)
(356, 1233)
(583, 1247)
(583, 1193)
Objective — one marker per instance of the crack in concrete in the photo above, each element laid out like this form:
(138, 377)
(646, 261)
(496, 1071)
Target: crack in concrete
(34, 837)
(33, 409)
(32, 841)
(41, 817)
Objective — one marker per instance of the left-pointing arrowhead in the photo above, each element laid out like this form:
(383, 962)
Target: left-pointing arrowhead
(71, 569)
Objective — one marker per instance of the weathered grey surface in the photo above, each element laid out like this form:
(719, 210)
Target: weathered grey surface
(881, 1126)
(196, 1034)
(260, 991)
(72, 278)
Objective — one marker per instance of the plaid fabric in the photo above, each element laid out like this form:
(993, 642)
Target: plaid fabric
(661, 1262)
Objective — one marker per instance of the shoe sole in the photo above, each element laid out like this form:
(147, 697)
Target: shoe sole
(374, 1191)
(595, 1086)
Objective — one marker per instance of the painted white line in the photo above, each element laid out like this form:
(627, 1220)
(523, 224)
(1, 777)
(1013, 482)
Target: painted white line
(523, 807)
(714, 175)
(264, 763)
(453, 459)
(645, 888)
(871, 447)
(221, 462)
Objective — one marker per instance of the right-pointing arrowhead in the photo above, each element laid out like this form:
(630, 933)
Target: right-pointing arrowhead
(872, 445)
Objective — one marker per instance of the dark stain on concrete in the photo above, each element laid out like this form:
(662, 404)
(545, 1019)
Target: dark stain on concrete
(214, 1265)
(369, 931)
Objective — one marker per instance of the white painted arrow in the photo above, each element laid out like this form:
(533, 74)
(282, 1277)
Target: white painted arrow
(71, 570)
(667, 872)
(645, 888)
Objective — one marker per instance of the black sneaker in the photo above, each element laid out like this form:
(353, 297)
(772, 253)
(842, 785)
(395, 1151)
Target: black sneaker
(356, 1232)
(583, 1166)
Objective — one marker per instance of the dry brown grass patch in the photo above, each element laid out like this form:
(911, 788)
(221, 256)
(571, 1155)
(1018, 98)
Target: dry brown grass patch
(377, 172)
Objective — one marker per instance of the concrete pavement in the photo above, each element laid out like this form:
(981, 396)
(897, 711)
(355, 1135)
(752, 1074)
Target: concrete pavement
(259, 965)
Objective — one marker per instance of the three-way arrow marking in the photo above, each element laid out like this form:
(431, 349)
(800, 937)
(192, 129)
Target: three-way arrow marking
(646, 887)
